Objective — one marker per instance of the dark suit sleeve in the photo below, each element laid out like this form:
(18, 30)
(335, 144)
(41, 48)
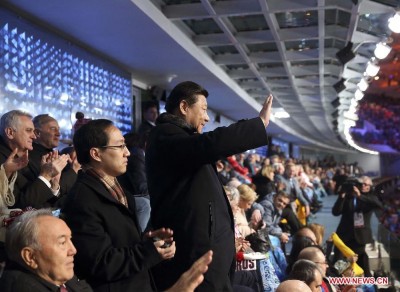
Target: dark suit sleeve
(36, 194)
(179, 147)
(371, 200)
(68, 178)
(337, 208)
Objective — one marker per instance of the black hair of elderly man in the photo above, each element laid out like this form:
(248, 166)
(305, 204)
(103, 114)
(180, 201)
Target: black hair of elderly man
(186, 194)
(309, 273)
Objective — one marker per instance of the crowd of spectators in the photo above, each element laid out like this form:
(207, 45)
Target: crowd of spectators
(273, 199)
(383, 113)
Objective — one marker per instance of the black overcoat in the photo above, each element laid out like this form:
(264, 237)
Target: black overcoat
(21, 280)
(187, 196)
(111, 255)
(366, 203)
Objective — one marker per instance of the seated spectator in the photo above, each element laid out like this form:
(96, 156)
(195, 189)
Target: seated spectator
(264, 182)
(307, 232)
(309, 273)
(310, 196)
(246, 199)
(232, 194)
(42, 258)
(319, 232)
(8, 175)
(241, 172)
(299, 243)
(273, 213)
(250, 162)
(42, 255)
(317, 256)
(293, 286)
(242, 278)
(17, 132)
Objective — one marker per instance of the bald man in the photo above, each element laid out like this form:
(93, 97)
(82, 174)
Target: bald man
(293, 286)
(316, 255)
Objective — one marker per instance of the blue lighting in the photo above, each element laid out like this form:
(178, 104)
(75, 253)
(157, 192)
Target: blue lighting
(41, 73)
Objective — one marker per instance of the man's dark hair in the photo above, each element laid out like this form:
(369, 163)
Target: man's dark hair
(282, 194)
(304, 270)
(92, 134)
(41, 120)
(149, 104)
(79, 115)
(136, 139)
(299, 243)
(184, 91)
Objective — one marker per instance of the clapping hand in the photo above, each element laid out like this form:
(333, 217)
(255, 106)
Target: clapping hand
(15, 162)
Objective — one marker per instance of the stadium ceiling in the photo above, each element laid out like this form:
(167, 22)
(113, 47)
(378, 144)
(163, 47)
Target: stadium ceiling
(239, 50)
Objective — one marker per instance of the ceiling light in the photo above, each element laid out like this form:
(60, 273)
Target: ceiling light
(358, 94)
(382, 50)
(363, 84)
(372, 69)
(394, 23)
(280, 113)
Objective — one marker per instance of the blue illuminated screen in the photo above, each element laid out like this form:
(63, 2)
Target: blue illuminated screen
(41, 73)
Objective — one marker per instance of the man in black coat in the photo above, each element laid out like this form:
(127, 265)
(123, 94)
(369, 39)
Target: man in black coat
(112, 253)
(356, 204)
(185, 192)
(47, 132)
(150, 114)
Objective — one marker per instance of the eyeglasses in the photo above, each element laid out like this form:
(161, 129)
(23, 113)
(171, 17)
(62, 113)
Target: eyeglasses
(323, 263)
(120, 147)
(364, 184)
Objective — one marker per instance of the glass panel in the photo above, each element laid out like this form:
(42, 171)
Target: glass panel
(203, 26)
(297, 19)
(249, 22)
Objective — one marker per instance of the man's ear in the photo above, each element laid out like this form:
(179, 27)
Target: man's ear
(183, 107)
(28, 256)
(9, 133)
(95, 154)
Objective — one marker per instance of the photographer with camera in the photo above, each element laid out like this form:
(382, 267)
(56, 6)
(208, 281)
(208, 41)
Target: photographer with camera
(356, 202)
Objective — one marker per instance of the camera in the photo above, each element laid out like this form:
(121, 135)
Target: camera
(348, 186)
(165, 245)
